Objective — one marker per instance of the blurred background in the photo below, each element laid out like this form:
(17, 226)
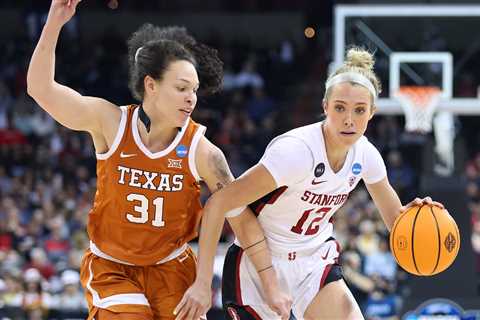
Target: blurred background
(277, 56)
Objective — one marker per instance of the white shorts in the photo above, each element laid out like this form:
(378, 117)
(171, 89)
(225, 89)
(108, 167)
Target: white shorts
(301, 274)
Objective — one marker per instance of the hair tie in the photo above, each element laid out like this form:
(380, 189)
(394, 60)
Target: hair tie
(137, 52)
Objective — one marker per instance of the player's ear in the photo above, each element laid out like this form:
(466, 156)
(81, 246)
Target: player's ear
(324, 105)
(149, 84)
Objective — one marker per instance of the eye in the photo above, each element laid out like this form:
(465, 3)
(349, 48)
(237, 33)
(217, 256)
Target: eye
(339, 108)
(181, 89)
(360, 110)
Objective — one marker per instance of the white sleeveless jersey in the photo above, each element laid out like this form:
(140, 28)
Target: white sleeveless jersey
(297, 216)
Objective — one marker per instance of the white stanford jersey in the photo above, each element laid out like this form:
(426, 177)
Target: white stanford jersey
(297, 216)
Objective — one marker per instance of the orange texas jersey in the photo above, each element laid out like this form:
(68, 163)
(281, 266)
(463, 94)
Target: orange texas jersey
(147, 204)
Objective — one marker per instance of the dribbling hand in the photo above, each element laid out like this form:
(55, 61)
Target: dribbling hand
(61, 11)
(419, 202)
(195, 302)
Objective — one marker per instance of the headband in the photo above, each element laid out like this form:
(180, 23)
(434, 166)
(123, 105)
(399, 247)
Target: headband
(354, 77)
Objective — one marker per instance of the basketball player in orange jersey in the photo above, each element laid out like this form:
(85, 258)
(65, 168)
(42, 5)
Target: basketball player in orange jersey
(150, 159)
(304, 176)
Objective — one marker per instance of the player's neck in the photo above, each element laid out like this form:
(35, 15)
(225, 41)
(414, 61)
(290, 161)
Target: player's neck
(336, 152)
(159, 137)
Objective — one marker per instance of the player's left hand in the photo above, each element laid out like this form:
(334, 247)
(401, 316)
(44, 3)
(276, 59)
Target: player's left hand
(419, 202)
(195, 302)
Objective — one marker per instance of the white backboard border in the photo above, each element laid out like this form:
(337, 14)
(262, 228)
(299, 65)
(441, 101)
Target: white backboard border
(445, 58)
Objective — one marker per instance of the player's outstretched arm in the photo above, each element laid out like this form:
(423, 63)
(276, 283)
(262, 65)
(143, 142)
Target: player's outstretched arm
(63, 103)
(388, 202)
(228, 197)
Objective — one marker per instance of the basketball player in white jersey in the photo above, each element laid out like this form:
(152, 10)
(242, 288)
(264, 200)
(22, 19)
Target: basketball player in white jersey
(304, 177)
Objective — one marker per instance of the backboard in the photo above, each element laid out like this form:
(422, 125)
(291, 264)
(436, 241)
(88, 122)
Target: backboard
(417, 44)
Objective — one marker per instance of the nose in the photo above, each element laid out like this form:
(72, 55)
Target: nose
(191, 98)
(348, 120)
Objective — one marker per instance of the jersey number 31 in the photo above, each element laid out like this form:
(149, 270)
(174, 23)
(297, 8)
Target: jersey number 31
(142, 210)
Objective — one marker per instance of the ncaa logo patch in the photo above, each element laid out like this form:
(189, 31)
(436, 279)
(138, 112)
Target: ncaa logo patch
(356, 168)
(181, 151)
(319, 170)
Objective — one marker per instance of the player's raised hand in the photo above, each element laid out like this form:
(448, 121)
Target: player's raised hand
(61, 11)
(419, 202)
(195, 302)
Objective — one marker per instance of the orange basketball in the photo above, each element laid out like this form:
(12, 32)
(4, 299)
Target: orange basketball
(425, 240)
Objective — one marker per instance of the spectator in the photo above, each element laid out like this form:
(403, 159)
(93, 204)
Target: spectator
(401, 176)
(35, 300)
(260, 105)
(39, 261)
(249, 76)
(56, 244)
(72, 298)
(368, 240)
(381, 263)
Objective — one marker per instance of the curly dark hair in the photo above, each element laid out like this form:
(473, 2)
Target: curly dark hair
(162, 46)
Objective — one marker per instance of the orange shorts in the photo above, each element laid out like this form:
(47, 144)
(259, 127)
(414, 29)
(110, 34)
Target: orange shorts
(155, 290)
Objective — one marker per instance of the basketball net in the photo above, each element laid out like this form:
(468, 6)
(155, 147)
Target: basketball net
(418, 104)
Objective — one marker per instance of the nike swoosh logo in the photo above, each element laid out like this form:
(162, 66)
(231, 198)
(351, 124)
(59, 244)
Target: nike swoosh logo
(314, 182)
(326, 254)
(127, 155)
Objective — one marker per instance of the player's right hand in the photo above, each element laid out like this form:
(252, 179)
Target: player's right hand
(61, 11)
(279, 301)
(195, 302)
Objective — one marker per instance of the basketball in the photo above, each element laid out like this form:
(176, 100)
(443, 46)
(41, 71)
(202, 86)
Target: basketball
(425, 240)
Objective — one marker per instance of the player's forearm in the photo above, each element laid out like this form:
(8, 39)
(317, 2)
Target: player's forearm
(211, 229)
(252, 239)
(41, 71)
(390, 208)
(386, 200)
(262, 261)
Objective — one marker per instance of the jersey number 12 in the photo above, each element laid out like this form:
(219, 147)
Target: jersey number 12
(313, 227)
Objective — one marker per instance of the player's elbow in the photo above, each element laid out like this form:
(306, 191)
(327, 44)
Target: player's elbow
(37, 87)
(32, 89)
(35, 90)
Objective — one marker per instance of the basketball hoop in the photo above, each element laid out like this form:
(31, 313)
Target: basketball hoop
(418, 104)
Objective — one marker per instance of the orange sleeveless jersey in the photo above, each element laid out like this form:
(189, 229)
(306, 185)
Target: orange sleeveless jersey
(146, 204)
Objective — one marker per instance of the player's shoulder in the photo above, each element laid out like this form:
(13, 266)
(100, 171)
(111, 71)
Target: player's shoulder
(205, 147)
(208, 157)
(301, 135)
(305, 130)
(365, 144)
